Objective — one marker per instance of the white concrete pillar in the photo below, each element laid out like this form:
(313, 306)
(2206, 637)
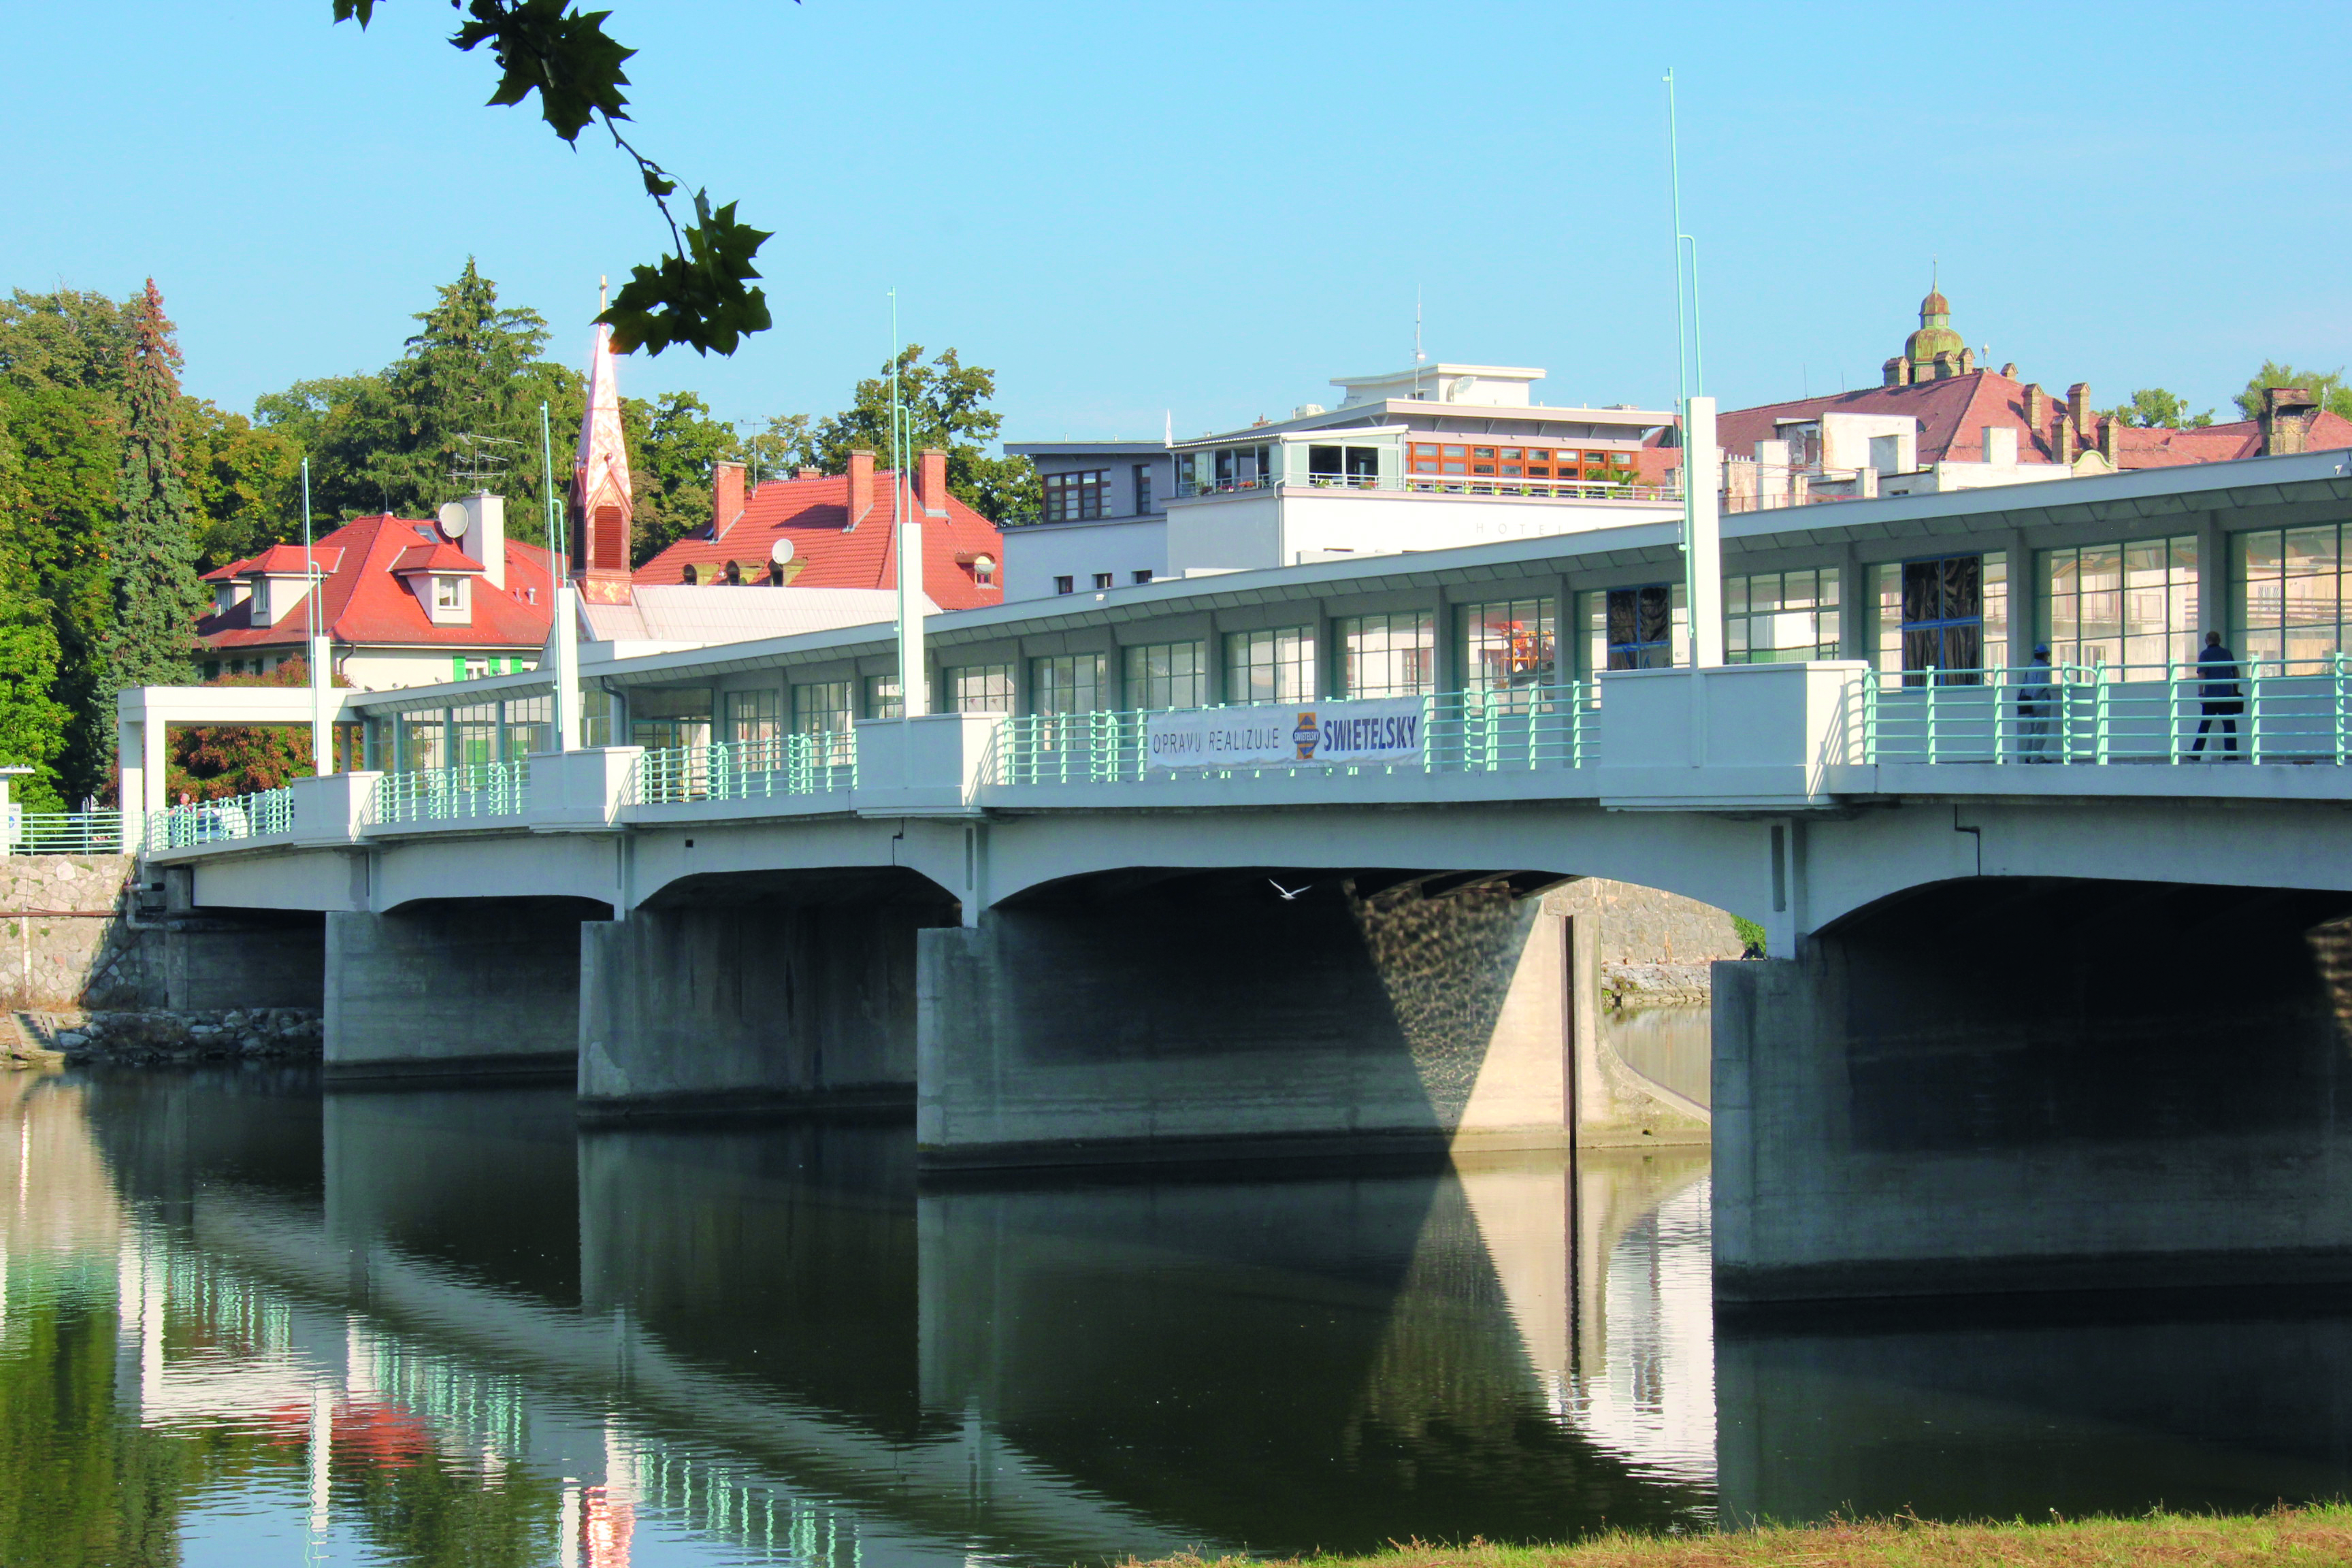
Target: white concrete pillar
(322, 680)
(913, 687)
(565, 643)
(1703, 532)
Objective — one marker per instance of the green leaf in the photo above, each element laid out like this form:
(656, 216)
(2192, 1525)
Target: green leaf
(540, 46)
(701, 299)
(363, 9)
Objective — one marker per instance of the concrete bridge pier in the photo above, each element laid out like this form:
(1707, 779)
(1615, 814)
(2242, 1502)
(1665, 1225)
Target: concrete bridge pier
(220, 958)
(737, 994)
(1161, 1014)
(2007, 1084)
(463, 987)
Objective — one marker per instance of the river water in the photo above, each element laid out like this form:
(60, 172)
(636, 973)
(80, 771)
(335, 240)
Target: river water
(249, 1322)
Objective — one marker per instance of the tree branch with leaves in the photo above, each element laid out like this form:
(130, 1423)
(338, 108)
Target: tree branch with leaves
(699, 293)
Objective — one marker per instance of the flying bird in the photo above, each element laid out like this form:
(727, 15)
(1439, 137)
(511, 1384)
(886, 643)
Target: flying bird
(1288, 893)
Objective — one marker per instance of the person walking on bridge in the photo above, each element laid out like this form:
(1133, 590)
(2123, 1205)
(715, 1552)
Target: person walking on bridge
(2217, 669)
(2035, 699)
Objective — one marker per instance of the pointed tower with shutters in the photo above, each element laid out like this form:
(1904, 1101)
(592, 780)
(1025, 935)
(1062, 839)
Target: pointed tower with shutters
(602, 502)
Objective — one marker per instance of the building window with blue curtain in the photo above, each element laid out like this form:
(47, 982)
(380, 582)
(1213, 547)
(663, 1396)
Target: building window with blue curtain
(1943, 619)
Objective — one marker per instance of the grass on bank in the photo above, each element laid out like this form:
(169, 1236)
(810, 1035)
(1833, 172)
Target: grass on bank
(2318, 1534)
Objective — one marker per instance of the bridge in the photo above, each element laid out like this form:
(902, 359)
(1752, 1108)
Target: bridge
(2051, 997)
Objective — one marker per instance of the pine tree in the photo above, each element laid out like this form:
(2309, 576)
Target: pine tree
(151, 551)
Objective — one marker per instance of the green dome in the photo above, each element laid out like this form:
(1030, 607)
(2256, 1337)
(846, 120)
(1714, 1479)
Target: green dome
(1935, 335)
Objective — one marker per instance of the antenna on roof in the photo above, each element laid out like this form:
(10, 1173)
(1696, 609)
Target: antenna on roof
(1417, 356)
(600, 293)
(479, 459)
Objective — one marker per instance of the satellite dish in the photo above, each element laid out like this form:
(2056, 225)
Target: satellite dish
(781, 552)
(453, 518)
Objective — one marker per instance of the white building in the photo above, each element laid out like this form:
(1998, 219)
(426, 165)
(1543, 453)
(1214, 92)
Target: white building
(1427, 458)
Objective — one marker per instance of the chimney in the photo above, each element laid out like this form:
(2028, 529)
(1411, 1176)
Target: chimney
(2065, 443)
(485, 535)
(932, 493)
(1999, 445)
(2037, 410)
(861, 486)
(808, 473)
(2285, 420)
(2108, 442)
(726, 497)
(2078, 407)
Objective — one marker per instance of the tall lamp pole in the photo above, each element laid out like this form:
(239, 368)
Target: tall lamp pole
(1702, 525)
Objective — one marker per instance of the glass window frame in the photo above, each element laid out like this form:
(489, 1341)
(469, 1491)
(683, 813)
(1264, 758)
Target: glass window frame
(1393, 653)
(1155, 677)
(1271, 664)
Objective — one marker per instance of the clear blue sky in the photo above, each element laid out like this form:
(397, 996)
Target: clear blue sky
(1214, 207)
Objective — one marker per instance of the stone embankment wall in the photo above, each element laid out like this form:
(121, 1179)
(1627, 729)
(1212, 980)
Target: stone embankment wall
(65, 939)
(141, 1038)
(1655, 947)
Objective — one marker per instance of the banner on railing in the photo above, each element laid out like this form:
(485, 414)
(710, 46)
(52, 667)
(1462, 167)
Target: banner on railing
(1377, 730)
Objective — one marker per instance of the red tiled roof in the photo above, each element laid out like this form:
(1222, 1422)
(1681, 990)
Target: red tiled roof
(1952, 414)
(2157, 447)
(279, 560)
(365, 604)
(814, 515)
(434, 558)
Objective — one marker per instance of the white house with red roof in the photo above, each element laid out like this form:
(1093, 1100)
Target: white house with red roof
(406, 602)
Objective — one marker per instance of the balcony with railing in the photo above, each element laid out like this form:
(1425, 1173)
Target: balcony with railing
(264, 814)
(1494, 486)
(771, 768)
(473, 792)
(2272, 711)
(65, 833)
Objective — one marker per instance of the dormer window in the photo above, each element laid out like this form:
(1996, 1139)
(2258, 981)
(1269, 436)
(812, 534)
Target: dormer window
(983, 570)
(261, 601)
(449, 596)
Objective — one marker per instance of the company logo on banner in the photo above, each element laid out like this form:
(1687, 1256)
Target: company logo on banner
(1382, 729)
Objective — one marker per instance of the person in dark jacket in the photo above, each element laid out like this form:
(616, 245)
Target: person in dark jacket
(2036, 698)
(2217, 669)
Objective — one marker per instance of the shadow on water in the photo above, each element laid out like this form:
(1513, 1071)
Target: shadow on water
(431, 1326)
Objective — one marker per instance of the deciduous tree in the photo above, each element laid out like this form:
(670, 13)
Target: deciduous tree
(2153, 407)
(2327, 387)
(945, 404)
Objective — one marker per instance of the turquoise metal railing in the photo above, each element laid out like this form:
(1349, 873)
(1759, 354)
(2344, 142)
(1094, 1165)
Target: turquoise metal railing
(452, 794)
(65, 833)
(255, 815)
(2103, 714)
(1518, 729)
(767, 769)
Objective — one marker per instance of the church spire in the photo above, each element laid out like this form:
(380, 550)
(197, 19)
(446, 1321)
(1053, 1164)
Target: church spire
(602, 498)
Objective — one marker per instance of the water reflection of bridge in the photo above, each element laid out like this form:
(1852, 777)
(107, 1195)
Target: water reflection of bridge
(772, 1338)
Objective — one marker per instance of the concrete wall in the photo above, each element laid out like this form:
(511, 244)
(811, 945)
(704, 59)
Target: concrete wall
(472, 987)
(1647, 925)
(739, 1006)
(2009, 1084)
(263, 961)
(1202, 1016)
